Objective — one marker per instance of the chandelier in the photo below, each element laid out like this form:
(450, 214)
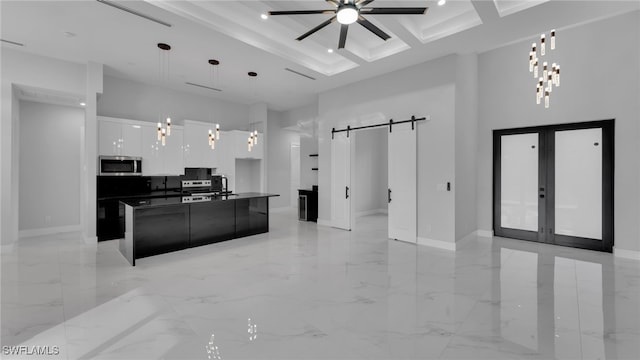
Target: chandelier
(550, 75)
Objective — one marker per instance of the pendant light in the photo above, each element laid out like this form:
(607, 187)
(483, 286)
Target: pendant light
(550, 76)
(213, 74)
(163, 74)
(253, 136)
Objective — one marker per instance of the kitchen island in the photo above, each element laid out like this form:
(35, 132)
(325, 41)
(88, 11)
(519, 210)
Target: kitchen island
(160, 225)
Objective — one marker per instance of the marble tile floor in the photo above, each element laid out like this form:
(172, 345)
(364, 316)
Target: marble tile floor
(307, 292)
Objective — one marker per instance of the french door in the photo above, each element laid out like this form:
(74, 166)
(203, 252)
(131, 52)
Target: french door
(554, 184)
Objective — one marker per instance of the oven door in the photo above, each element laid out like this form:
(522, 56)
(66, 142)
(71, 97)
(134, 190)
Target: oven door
(120, 166)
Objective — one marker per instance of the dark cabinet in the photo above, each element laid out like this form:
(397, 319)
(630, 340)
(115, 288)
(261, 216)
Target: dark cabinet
(160, 230)
(308, 205)
(252, 216)
(212, 222)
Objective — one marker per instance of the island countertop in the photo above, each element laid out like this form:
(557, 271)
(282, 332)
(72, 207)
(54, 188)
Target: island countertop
(160, 225)
(139, 203)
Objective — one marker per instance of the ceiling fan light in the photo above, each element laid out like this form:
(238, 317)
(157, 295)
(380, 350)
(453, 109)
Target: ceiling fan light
(347, 15)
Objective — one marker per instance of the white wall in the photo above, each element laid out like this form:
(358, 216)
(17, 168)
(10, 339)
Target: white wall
(426, 89)
(466, 151)
(248, 177)
(278, 152)
(600, 80)
(19, 68)
(134, 100)
(49, 165)
(370, 181)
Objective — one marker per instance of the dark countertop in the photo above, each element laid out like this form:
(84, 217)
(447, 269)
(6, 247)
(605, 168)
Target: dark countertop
(148, 202)
(152, 194)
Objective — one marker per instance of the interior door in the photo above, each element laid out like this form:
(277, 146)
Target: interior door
(560, 191)
(402, 193)
(341, 181)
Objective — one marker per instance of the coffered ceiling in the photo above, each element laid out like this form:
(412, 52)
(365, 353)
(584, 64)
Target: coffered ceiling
(290, 73)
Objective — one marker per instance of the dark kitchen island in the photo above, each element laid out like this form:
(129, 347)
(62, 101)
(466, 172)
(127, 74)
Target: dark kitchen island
(160, 225)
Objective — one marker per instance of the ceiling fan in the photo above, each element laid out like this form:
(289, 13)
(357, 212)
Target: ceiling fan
(349, 11)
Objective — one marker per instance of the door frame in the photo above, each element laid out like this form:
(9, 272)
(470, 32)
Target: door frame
(546, 176)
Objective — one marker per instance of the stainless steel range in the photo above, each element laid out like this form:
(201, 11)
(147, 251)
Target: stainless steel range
(197, 187)
(195, 199)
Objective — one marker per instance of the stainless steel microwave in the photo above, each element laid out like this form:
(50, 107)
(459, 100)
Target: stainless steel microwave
(120, 166)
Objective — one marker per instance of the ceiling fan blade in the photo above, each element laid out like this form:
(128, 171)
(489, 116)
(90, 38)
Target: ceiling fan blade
(334, 2)
(343, 36)
(325, 23)
(374, 29)
(394, 11)
(363, 2)
(302, 12)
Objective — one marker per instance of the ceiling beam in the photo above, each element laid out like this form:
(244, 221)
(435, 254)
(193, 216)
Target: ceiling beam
(486, 10)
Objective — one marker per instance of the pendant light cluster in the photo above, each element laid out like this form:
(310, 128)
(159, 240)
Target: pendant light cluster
(547, 77)
(163, 74)
(253, 137)
(213, 74)
(252, 140)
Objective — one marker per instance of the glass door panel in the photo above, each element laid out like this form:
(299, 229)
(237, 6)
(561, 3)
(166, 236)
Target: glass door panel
(578, 183)
(519, 182)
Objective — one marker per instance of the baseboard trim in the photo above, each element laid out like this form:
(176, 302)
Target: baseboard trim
(323, 222)
(445, 245)
(90, 240)
(626, 254)
(49, 231)
(281, 209)
(484, 233)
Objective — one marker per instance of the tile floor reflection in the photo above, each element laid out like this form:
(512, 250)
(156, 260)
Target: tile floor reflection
(302, 292)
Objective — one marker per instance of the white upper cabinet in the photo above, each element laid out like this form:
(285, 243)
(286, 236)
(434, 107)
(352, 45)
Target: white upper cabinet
(140, 138)
(119, 137)
(173, 151)
(241, 147)
(197, 152)
(152, 163)
(158, 159)
(110, 138)
(131, 140)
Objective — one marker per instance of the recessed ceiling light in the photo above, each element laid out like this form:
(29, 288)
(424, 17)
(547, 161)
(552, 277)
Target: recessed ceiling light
(69, 34)
(82, 104)
(264, 16)
(330, 51)
(442, 2)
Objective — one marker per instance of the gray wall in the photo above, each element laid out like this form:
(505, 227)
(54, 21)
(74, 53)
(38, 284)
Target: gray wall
(20, 68)
(134, 100)
(600, 80)
(371, 175)
(247, 177)
(466, 150)
(50, 150)
(278, 154)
